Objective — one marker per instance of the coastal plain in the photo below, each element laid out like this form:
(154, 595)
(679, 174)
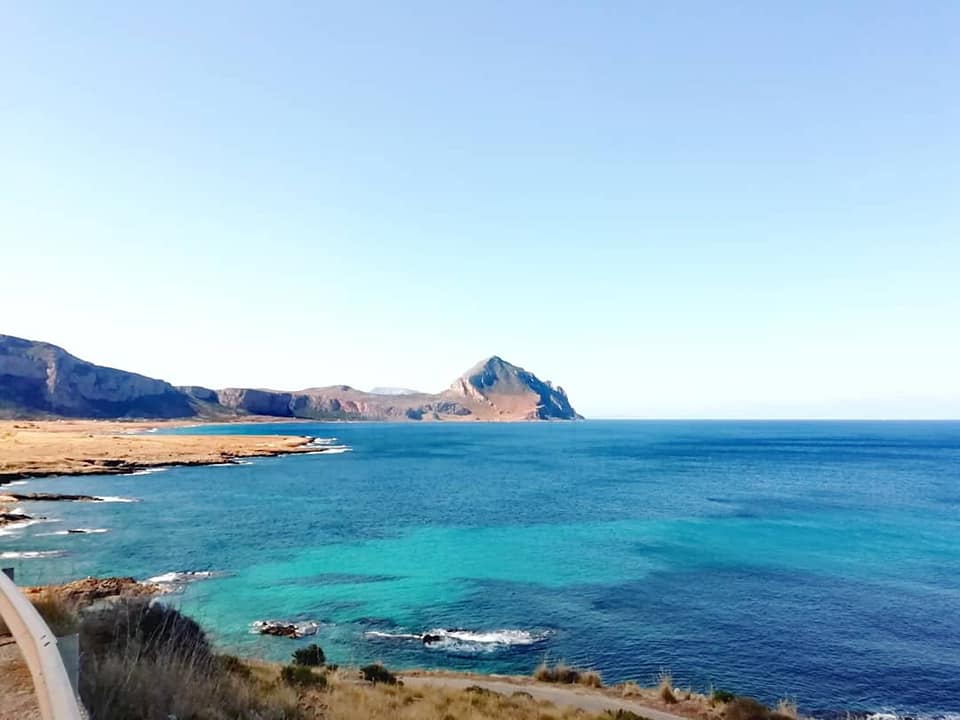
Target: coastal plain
(38, 448)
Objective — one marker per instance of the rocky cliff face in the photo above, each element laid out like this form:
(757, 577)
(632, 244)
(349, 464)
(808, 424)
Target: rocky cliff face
(513, 392)
(41, 379)
(341, 402)
(38, 378)
(491, 390)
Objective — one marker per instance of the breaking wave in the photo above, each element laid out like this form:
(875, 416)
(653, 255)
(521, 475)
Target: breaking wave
(77, 531)
(31, 554)
(466, 641)
(182, 577)
(150, 470)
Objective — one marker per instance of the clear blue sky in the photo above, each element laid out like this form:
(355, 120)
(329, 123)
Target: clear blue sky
(674, 209)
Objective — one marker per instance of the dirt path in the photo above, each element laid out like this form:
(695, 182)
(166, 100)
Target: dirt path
(17, 701)
(561, 695)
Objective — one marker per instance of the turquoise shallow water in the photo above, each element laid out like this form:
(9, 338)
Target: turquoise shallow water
(814, 560)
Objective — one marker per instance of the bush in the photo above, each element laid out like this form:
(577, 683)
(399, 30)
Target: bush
(301, 676)
(590, 678)
(142, 662)
(311, 656)
(722, 696)
(741, 708)
(145, 628)
(377, 673)
(561, 673)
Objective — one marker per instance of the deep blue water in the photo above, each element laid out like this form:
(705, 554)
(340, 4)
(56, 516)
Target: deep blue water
(815, 560)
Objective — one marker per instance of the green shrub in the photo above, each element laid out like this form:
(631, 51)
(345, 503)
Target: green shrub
(301, 676)
(722, 696)
(377, 673)
(741, 708)
(311, 656)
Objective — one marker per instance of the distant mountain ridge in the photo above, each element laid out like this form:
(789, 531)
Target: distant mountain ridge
(38, 379)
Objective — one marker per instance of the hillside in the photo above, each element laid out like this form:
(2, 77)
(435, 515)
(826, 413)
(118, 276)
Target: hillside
(38, 379)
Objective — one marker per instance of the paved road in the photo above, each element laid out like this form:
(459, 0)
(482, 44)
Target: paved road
(562, 695)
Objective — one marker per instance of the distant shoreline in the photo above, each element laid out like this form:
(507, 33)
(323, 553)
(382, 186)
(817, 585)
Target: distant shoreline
(45, 448)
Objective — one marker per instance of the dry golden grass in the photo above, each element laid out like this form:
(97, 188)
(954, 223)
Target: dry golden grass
(787, 708)
(346, 700)
(60, 615)
(563, 673)
(665, 688)
(146, 662)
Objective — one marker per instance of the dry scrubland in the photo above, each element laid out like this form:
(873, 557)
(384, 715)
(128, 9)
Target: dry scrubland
(83, 447)
(144, 661)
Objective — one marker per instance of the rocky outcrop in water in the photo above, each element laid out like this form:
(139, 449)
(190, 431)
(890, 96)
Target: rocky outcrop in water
(90, 589)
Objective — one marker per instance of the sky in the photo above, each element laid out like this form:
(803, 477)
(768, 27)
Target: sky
(673, 209)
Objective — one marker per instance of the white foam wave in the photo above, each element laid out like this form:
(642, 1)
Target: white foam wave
(322, 441)
(330, 450)
(18, 525)
(150, 470)
(77, 531)
(31, 554)
(112, 499)
(392, 636)
(466, 641)
(182, 577)
(493, 637)
(16, 482)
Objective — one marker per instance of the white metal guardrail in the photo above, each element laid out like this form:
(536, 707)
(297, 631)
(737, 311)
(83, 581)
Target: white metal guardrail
(39, 647)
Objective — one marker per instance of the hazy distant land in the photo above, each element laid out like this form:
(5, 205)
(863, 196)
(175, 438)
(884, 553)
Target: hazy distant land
(39, 380)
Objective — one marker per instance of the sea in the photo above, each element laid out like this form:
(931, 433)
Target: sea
(816, 561)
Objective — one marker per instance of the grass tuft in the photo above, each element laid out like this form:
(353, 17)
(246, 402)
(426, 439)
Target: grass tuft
(665, 688)
(564, 674)
(61, 616)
